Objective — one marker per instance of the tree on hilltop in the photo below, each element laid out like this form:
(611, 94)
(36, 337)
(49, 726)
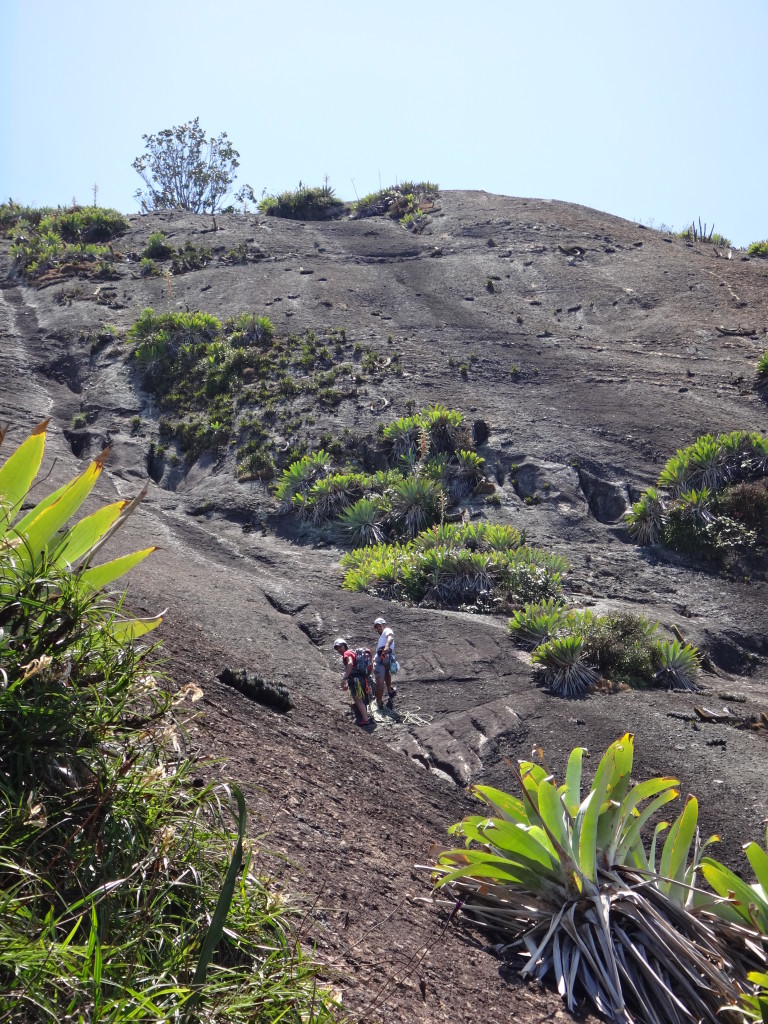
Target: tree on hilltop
(183, 170)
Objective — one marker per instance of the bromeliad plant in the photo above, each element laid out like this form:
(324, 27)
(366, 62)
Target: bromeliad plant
(564, 878)
(574, 647)
(453, 564)
(694, 507)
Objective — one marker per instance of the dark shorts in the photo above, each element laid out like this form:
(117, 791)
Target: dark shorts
(356, 684)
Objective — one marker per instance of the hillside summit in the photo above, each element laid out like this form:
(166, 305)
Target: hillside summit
(585, 349)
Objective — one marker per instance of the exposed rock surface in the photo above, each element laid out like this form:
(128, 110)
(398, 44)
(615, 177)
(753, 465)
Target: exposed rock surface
(593, 352)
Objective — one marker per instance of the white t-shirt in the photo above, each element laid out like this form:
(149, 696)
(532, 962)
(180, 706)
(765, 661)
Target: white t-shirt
(386, 632)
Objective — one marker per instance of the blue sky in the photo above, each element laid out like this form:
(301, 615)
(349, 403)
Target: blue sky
(654, 111)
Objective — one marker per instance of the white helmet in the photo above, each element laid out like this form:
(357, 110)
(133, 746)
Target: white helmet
(340, 642)
(380, 622)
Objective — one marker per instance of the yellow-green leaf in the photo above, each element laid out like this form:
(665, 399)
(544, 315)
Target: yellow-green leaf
(43, 528)
(759, 861)
(81, 538)
(99, 576)
(674, 856)
(132, 629)
(18, 472)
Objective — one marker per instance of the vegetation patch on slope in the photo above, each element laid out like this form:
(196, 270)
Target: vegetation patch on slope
(710, 500)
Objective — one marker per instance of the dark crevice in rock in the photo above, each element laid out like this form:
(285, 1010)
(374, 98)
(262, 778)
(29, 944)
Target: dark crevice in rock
(283, 607)
(607, 499)
(79, 442)
(262, 691)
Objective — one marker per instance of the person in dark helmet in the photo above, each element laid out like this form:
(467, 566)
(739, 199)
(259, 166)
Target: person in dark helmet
(383, 662)
(354, 680)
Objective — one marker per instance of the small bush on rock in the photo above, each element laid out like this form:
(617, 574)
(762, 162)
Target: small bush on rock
(303, 204)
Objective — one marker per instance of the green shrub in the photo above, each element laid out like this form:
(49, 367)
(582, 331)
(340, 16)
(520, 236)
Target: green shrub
(303, 204)
(85, 224)
(454, 565)
(747, 504)
(190, 257)
(398, 201)
(622, 647)
(148, 268)
(182, 170)
(758, 249)
(694, 517)
(157, 248)
(12, 214)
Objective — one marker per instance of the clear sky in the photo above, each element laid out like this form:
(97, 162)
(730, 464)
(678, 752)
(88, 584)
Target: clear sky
(655, 111)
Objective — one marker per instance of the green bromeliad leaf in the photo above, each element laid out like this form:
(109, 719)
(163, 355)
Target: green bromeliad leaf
(99, 576)
(18, 472)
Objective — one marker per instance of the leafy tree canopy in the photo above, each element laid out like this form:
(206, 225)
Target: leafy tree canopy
(183, 170)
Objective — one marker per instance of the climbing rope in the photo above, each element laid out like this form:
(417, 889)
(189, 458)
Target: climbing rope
(410, 718)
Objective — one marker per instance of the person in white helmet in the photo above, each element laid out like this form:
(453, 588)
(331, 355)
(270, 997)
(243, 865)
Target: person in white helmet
(385, 657)
(354, 680)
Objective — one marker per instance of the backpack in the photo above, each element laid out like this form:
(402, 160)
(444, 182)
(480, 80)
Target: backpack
(362, 670)
(363, 661)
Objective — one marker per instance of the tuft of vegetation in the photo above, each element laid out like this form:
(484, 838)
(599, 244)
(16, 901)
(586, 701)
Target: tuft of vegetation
(409, 203)
(761, 373)
(679, 664)
(71, 240)
(575, 647)
(758, 248)
(563, 876)
(698, 233)
(565, 670)
(157, 248)
(12, 214)
(696, 506)
(126, 893)
(304, 203)
(148, 268)
(474, 565)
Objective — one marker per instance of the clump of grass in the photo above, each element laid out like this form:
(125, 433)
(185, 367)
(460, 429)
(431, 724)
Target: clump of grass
(761, 373)
(565, 671)
(679, 664)
(408, 202)
(698, 233)
(758, 248)
(452, 565)
(304, 203)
